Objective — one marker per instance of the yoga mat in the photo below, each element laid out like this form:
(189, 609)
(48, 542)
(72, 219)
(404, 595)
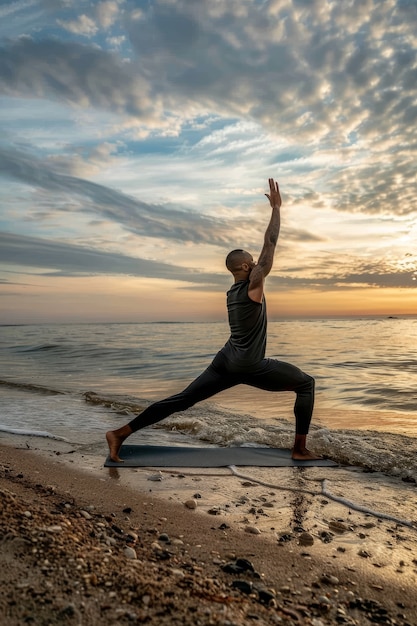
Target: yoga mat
(176, 456)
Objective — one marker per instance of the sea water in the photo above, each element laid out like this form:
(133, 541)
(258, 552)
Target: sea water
(78, 380)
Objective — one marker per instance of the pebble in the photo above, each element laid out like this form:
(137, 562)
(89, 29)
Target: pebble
(326, 537)
(191, 504)
(364, 553)
(177, 542)
(338, 527)
(86, 514)
(117, 530)
(53, 529)
(130, 553)
(328, 579)
(252, 530)
(111, 541)
(178, 572)
(305, 539)
(266, 596)
(214, 511)
(238, 566)
(243, 585)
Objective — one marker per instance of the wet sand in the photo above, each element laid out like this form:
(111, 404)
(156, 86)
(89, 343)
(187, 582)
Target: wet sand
(82, 544)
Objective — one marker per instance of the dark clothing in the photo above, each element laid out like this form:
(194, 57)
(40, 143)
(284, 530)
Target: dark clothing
(247, 321)
(240, 362)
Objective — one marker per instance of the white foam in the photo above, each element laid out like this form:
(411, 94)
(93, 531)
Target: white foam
(30, 433)
(393, 454)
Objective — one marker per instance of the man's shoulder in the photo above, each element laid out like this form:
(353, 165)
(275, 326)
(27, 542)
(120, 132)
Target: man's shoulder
(241, 286)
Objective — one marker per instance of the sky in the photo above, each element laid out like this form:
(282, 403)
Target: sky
(137, 139)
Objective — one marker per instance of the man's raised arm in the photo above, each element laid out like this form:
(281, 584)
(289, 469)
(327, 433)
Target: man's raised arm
(266, 258)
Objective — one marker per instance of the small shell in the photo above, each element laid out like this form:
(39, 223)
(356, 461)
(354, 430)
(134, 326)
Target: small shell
(155, 477)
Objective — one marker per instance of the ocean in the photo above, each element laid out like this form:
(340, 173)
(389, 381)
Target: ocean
(75, 381)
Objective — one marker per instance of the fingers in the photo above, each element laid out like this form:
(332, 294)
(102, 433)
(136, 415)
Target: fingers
(273, 186)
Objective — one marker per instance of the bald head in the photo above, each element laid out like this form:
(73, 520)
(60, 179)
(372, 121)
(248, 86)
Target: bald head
(236, 258)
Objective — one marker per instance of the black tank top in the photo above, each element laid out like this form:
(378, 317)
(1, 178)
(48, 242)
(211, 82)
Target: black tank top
(247, 319)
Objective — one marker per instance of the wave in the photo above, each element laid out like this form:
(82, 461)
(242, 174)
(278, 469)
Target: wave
(40, 348)
(30, 433)
(209, 424)
(75, 350)
(30, 387)
(382, 364)
(122, 404)
(373, 450)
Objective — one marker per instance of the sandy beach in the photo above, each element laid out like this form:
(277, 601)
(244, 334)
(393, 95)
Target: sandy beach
(82, 544)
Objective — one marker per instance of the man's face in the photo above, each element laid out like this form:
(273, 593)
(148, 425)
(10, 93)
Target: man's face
(250, 262)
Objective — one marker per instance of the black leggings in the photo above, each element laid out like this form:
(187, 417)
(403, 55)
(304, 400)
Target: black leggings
(269, 374)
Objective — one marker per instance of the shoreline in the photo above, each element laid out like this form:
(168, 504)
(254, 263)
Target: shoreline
(319, 561)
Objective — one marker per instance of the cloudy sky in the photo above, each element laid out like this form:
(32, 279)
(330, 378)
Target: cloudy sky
(137, 138)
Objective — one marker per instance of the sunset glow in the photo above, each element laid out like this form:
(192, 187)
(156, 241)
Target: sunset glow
(137, 139)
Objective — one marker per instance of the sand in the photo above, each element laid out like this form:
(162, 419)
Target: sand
(82, 544)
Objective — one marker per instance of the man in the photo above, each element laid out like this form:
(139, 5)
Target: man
(242, 359)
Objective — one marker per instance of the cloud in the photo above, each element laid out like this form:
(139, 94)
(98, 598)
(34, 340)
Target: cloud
(307, 65)
(135, 216)
(84, 161)
(166, 221)
(76, 74)
(83, 25)
(107, 13)
(316, 70)
(64, 259)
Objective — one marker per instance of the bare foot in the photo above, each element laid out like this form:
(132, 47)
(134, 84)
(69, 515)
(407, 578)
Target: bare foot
(303, 454)
(114, 443)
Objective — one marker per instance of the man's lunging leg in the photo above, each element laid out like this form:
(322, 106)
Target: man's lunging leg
(210, 382)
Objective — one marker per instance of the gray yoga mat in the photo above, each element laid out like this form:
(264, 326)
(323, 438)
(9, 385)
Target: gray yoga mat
(176, 456)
